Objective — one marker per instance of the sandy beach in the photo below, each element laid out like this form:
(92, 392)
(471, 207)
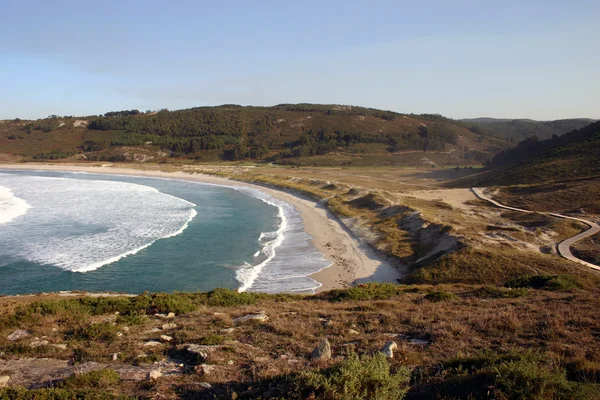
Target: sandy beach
(352, 261)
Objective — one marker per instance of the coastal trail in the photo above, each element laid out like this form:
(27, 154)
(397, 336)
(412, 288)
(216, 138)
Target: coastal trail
(564, 247)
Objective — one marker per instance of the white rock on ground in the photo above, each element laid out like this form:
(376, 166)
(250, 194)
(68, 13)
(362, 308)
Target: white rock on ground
(153, 375)
(388, 349)
(169, 326)
(260, 316)
(18, 335)
(4, 381)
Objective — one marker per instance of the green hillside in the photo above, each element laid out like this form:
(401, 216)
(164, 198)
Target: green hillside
(302, 134)
(575, 155)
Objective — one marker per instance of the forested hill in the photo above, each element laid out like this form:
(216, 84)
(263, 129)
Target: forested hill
(301, 134)
(515, 130)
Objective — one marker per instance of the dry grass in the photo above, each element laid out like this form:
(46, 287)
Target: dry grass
(560, 325)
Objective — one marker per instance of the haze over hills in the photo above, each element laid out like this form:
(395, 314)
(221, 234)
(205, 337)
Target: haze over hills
(297, 134)
(516, 130)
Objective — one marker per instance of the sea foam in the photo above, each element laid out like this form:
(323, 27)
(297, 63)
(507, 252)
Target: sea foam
(287, 257)
(81, 225)
(11, 206)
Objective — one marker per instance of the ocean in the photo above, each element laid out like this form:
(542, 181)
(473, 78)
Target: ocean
(77, 231)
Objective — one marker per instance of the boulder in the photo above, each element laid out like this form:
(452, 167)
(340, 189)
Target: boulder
(4, 381)
(260, 316)
(18, 335)
(153, 375)
(166, 338)
(205, 369)
(38, 343)
(388, 349)
(170, 315)
(205, 385)
(60, 346)
(353, 332)
(201, 351)
(169, 326)
(322, 351)
(152, 343)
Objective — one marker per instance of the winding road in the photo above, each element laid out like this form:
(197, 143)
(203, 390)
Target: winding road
(564, 247)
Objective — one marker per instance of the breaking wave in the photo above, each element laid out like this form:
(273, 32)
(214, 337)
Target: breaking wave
(82, 225)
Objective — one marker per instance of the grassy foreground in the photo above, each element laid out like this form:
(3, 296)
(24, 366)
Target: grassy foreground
(532, 338)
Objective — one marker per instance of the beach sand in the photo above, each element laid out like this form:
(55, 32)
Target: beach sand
(352, 261)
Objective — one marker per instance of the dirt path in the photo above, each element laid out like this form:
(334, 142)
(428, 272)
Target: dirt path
(564, 247)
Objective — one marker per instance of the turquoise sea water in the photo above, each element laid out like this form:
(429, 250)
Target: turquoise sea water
(73, 231)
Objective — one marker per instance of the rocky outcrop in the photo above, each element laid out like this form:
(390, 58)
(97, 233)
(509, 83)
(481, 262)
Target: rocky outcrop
(322, 351)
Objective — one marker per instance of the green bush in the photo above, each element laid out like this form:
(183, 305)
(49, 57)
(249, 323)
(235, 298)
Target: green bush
(104, 331)
(57, 394)
(368, 291)
(354, 378)
(499, 292)
(102, 379)
(436, 297)
(212, 340)
(548, 282)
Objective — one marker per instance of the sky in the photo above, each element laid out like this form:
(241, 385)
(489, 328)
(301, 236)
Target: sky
(504, 59)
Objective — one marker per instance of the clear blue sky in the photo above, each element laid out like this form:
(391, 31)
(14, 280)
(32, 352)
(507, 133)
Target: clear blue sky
(518, 59)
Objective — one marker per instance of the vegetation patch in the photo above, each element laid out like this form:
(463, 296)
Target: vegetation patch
(436, 297)
(548, 282)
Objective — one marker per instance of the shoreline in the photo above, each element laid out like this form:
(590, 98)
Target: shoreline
(352, 261)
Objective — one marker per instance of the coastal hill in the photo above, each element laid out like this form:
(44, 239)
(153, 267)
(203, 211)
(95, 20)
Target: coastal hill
(573, 156)
(292, 134)
(516, 130)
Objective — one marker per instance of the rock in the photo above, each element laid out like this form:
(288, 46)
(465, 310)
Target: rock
(227, 330)
(322, 351)
(60, 346)
(201, 351)
(4, 381)
(170, 315)
(205, 369)
(353, 332)
(205, 385)
(230, 362)
(160, 316)
(125, 329)
(388, 349)
(260, 316)
(119, 334)
(38, 343)
(166, 338)
(153, 375)
(18, 335)
(152, 343)
(114, 356)
(169, 326)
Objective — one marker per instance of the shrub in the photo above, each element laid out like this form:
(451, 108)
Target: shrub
(436, 297)
(102, 379)
(104, 331)
(211, 340)
(355, 378)
(548, 282)
(499, 292)
(368, 291)
(56, 394)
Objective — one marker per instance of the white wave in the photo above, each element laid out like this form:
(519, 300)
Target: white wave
(248, 274)
(81, 225)
(289, 255)
(11, 206)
